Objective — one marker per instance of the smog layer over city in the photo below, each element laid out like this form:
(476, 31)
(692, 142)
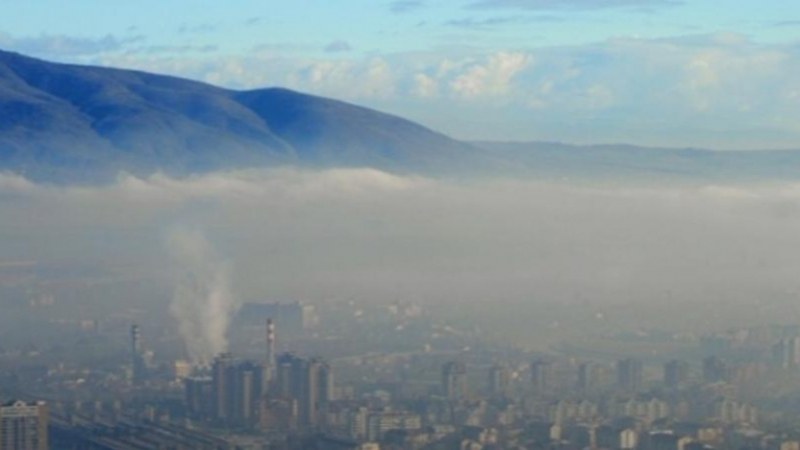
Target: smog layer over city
(408, 224)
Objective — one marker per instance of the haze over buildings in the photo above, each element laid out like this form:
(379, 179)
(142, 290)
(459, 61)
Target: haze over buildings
(325, 235)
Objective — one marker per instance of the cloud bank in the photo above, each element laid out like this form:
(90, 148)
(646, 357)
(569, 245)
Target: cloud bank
(62, 46)
(366, 234)
(719, 90)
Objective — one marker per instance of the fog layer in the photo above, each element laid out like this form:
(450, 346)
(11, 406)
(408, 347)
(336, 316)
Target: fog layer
(366, 234)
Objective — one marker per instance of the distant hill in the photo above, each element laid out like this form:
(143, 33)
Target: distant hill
(71, 123)
(68, 122)
(554, 160)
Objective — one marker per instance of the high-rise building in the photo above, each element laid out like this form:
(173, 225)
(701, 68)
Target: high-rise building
(284, 375)
(715, 370)
(786, 353)
(221, 376)
(23, 426)
(199, 392)
(499, 380)
(246, 392)
(307, 391)
(592, 376)
(454, 380)
(543, 375)
(327, 392)
(237, 389)
(307, 382)
(676, 373)
(630, 374)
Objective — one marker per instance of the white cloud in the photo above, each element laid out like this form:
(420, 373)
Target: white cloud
(492, 78)
(63, 46)
(12, 182)
(353, 80)
(719, 90)
(425, 86)
(254, 185)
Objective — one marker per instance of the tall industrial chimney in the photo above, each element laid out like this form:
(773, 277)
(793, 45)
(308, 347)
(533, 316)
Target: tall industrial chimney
(136, 357)
(270, 343)
(268, 374)
(136, 344)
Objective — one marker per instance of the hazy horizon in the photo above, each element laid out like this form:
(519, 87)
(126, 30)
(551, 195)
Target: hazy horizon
(316, 234)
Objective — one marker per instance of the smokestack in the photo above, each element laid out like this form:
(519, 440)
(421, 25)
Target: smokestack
(137, 362)
(136, 343)
(270, 343)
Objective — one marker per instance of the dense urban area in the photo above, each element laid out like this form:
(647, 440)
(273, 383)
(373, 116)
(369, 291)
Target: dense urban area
(400, 375)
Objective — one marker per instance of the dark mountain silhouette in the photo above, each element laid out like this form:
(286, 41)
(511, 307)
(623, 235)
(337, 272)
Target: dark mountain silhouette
(69, 122)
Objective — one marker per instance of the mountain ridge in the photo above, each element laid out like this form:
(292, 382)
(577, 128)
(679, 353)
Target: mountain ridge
(75, 121)
(68, 123)
(631, 162)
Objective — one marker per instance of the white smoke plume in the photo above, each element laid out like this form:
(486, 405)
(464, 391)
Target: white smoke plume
(202, 302)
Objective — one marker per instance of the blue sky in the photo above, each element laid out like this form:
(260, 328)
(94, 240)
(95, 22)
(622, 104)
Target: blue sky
(709, 73)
